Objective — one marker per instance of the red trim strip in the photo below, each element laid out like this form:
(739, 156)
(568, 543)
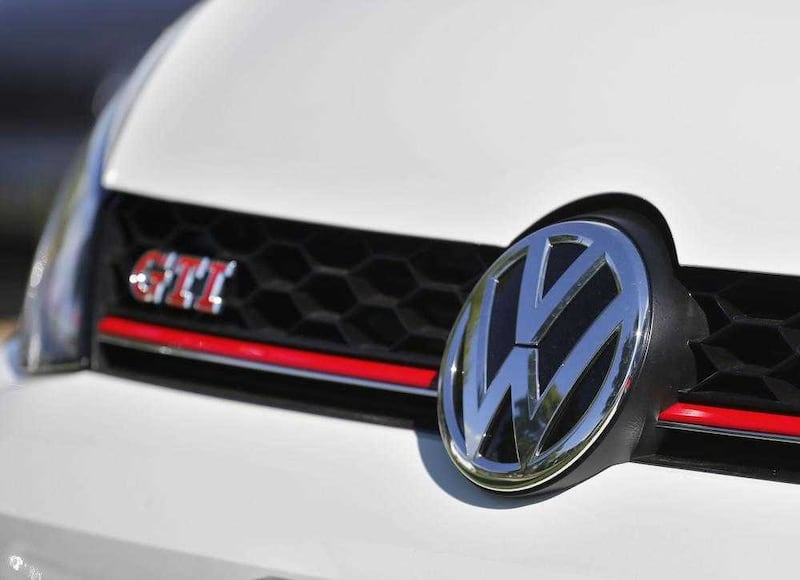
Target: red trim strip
(269, 354)
(734, 419)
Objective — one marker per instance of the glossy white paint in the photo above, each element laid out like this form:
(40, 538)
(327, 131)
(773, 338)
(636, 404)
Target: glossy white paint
(93, 458)
(471, 120)
(34, 551)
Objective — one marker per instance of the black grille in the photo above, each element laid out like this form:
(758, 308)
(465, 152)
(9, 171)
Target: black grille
(394, 298)
(329, 289)
(750, 357)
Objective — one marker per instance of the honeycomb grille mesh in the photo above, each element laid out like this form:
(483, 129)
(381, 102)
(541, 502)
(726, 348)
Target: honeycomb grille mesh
(395, 298)
(330, 289)
(750, 357)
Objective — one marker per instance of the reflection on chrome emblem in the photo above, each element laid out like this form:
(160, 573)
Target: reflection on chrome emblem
(180, 281)
(542, 354)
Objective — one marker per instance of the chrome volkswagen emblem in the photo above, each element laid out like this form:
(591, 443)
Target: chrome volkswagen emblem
(542, 354)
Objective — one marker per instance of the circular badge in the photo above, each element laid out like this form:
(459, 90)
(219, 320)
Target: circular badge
(543, 353)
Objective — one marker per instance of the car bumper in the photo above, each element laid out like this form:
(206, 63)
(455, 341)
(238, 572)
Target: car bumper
(103, 473)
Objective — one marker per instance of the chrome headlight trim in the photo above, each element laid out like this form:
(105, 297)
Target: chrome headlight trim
(54, 333)
(54, 336)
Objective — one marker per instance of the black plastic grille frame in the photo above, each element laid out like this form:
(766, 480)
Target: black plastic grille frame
(329, 289)
(394, 298)
(750, 357)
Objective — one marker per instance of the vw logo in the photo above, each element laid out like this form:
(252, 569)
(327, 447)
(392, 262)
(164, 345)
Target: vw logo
(543, 353)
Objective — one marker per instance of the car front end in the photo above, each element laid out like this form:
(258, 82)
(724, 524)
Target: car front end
(412, 290)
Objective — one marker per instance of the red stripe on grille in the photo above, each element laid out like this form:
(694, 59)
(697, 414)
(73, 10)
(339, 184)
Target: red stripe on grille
(268, 354)
(733, 419)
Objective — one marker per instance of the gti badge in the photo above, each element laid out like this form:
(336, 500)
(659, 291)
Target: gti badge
(541, 356)
(173, 279)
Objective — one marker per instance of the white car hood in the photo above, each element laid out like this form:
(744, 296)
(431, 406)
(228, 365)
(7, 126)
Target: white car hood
(473, 120)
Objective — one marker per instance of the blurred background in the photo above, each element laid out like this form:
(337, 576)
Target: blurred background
(60, 63)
